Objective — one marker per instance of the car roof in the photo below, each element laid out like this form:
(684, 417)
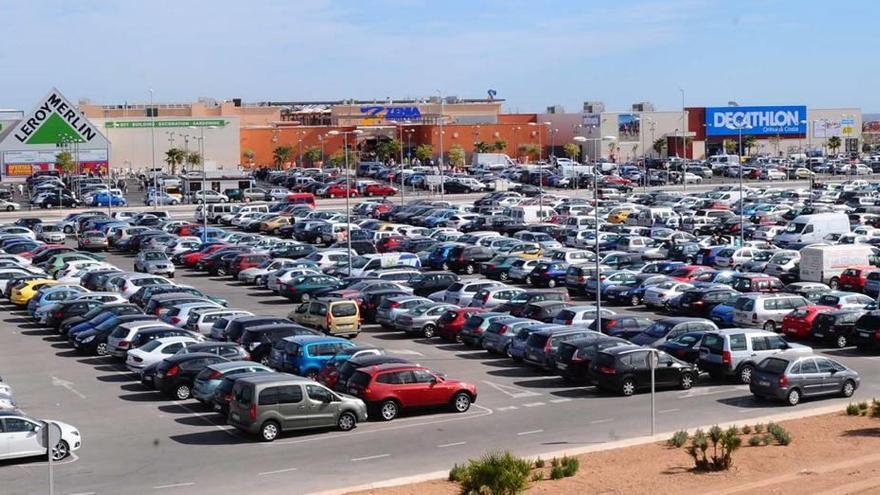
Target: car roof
(231, 365)
(176, 358)
(371, 359)
(313, 339)
(274, 378)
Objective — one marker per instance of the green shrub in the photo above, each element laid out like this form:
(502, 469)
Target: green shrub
(570, 466)
(723, 442)
(755, 440)
(537, 476)
(852, 410)
(766, 439)
(779, 433)
(539, 463)
(746, 429)
(557, 473)
(875, 408)
(678, 439)
(759, 428)
(554, 462)
(863, 406)
(457, 472)
(496, 473)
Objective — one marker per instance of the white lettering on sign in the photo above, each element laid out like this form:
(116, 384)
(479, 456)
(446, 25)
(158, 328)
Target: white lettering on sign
(735, 120)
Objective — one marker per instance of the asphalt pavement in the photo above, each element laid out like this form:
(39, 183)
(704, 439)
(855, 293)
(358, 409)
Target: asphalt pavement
(137, 441)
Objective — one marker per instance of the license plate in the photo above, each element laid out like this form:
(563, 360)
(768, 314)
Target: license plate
(352, 391)
(561, 366)
(864, 334)
(160, 375)
(764, 383)
(699, 260)
(818, 335)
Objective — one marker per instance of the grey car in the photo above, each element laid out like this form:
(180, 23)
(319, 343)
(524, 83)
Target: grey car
(154, 262)
(422, 319)
(267, 405)
(790, 377)
(499, 335)
(393, 306)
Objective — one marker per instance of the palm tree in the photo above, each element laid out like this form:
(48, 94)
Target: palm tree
(748, 143)
(456, 156)
(424, 152)
(193, 158)
(312, 154)
(730, 146)
(834, 143)
(282, 155)
(659, 145)
(483, 147)
(500, 145)
(571, 150)
(529, 150)
(249, 155)
(174, 157)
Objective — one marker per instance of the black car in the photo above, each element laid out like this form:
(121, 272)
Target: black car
(573, 358)
(237, 327)
(548, 274)
(626, 369)
(69, 309)
(544, 311)
(701, 301)
(64, 200)
(623, 327)
(685, 347)
(467, 259)
(258, 340)
(117, 309)
(836, 327)
(430, 282)
(295, 251)
(350, 366)
(175, 374)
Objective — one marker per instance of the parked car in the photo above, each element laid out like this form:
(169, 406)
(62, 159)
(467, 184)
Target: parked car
(627, 369)
(736, 351)
(791, 377)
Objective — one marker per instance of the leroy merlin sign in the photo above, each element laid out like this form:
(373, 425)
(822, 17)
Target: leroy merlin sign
(54, 120)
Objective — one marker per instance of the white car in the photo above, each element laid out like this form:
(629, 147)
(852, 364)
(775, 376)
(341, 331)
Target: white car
(132, 284)
(154, 351)
(658, 295)
(182, 245)
(206, 318)
(21, 436)
(252, 275)
(19, 231)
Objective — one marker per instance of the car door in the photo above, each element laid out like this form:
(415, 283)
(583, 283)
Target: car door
(430, 389)
(321, 407)
(666, 373)
(832, 382)
(811, 379)
(20, 438)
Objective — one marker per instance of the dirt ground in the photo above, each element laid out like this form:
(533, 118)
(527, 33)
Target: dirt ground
(829, 455)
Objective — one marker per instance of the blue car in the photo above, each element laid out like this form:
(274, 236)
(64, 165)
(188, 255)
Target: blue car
(722, 315)
(103, 199)
(52, 295)
(632, 293)
(305, 355)
(440, 255)
(517, 349)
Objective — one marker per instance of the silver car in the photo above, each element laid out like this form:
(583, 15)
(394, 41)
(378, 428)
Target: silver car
(155, 263)
(392, 306)
(789, 377)
(501, 332)
(422, 319)
(736, 351)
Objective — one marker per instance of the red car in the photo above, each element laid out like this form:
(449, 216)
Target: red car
(853, 278)
(389, 244)
(452, 321)
(614, 179)
(379, 190)
(43, 248)
(186, 229)
(389, 388)
(190, 260)
(693, 273)
(339, 191)
(246, 260)
(799, 322)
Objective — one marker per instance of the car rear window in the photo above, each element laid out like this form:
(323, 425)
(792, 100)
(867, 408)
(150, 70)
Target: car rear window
(455, 287)
(244, 395)
(773, 365)
(713, 342)
(360, 379)
(343, 309)
(537, 339)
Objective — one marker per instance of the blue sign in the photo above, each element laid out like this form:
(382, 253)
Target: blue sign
(392, 113)
(756, 121)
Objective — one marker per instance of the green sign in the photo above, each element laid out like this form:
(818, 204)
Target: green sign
(137, 124)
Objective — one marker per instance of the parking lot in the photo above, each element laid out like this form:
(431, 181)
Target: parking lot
(138, 441)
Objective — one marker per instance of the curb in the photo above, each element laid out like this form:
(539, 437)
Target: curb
(617, 444)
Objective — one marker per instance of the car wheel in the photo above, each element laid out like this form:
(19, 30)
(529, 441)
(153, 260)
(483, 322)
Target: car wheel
(389, 410)
(841, 341)
(445, 266)
(312, 374)
(305, 297)
(634, 301)
(770, 326)
(503, 276)
(745, 373)
(68, 229)
(551, 283)
(10, 208)
(346, 422)
(60, 451)
(461, 402)
(221, 272)
(182, 392)
(429, 331)
(528, 280)
(469, 269)
(848, 388)
(794, 397)
(689, 260)
(834, 283)
(269, 431)
(687, 381)
(101, 349)
(628, 387)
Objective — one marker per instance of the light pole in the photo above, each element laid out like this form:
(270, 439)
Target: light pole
(201, 148)
(153, 150)
(740, 126)
(540, 168)
(442, 182)
(345, 135)
(321, 139)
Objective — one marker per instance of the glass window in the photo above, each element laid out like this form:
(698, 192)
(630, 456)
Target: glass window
(738, 342)
(269, 396)
(19, 425)
(389, 378)
(173, 348)
(825, 366)
(809, 366)
(319, 393)
(422, 376)
(289, 394)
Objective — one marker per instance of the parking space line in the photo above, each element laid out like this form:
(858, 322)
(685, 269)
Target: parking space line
(598, 421)
(507, 408)
(666, 411)
(455, 444)
(203, 417)
(530, 432)
(175, 485)
(370, 457)
(409, 352)
(511, 391)
(279, 471)
(559, 401)
(534, 404)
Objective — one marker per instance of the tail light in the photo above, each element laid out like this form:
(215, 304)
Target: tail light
(172, 371)
(137, 359)
(503, 329)
(838, 306)
(175, 320)
(607, 370)
(783, 381)
(328, 320)
(214, 375)
(609, 324)
(754, 317)
(547, 346)
(568, 322)
(726, 358)
(582, 279)
(253, 411)
(124, 344)
(393, 305)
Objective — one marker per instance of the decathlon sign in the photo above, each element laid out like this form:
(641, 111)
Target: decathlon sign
(54, 120)
(756, 121)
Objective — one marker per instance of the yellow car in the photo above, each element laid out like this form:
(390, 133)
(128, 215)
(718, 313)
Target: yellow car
(526, 251)
(271, 225)
(20, 296)
(803, 173)
(619, 215)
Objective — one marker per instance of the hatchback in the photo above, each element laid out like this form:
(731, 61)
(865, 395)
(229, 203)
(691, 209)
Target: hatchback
(573, 358)
(836, 327)
(791, 377)
(626, 369)
(209, 378)
(175, 374)
(305, 355)
(541, 346)
(766, 310)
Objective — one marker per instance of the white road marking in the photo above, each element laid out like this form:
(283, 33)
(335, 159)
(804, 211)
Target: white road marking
(530, 432)
(57, 382)
(534, 404)
(450, 445)
(276, 472)
(597, 421)
(559, 401)
(369, 457)
(203, 417)
(82, 493)
(409, 352)
(666, 411)
(175, 485)
(507, 408)
(701, 391)
(510, 390)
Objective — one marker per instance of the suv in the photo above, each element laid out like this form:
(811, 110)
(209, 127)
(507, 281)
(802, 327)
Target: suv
(757, 282)
(392, 387)
(752, 309)
(271, 404)
(468, 258)
(736, 351)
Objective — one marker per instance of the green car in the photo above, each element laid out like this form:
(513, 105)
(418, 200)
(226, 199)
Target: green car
(234, 194)
(498, 267)
(302, 288)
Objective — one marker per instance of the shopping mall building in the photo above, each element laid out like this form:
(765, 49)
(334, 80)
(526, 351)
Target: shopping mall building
(232, 134)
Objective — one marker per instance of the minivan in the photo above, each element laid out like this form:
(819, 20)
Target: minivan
(217, 210)
(736, 351)
(270, 404)
(332, 316)
(766, 310)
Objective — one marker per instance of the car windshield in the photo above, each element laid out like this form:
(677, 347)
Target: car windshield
(795, 227)
(762, 256)
(149, 346)
(155, 256)
(741, 283)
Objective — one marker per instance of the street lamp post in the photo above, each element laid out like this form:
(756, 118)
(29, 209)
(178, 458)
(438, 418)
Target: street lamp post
(153, 150)
(740, 126)
(345, 135)
(442, 182)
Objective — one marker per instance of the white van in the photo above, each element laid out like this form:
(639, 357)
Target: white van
(811, 229)
(531, 213)
(217, 210)
(727, 198)
(824, 263)
(652, 216)
(248, 208)
(718, 162)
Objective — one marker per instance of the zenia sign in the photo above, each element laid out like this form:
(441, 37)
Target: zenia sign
(53, 121)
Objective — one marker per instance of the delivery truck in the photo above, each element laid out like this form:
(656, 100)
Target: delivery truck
(824, 263)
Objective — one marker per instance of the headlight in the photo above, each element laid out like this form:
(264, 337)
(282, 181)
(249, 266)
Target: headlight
(88, 339)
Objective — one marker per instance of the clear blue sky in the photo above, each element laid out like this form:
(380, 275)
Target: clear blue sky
(533, 53)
